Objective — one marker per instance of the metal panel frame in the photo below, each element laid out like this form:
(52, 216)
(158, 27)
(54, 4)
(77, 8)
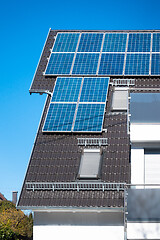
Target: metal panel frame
(57, 74)
(94, 103)
(59, 33)
(92, 33)
(117, 34)
(55, 87)
(100, 54)
(77, 104)
(47, 115)
(102, 119)
(114, 53)
(86, 74)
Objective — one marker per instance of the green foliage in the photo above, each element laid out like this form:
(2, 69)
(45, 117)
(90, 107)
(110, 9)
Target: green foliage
(14, 224)
(4, 205)
(7, 234)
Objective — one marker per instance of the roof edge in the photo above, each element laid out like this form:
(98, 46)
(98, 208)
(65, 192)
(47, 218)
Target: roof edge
(80, 30)
(39, 59)
(70, 209)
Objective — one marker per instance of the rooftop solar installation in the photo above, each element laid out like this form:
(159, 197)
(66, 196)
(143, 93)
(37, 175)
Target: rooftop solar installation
(66, 42)
(115, 42)
(156, 42)
(155, 66)
(86, 64)
(66, 89)
(94, 90)
(77, 103)
(90, 53)
(90, 42)
(139, 42)
(60, 117)
(137, 64)
(60, 63)
(89, 118)
(111, 64)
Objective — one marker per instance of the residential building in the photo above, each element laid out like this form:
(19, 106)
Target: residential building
(2, 198)
(94, 167)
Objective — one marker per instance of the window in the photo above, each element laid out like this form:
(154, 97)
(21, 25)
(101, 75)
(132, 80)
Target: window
(90, 164)
(152, 166)
(120, 99)
(144, 107)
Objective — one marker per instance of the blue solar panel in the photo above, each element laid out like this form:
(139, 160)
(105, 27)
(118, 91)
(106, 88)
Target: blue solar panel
(86, 63)
(60, 117)
(115, 42)
(66, 89)
(60, 63)
(137, 64)
(94, 90)
(66, 42)
(111, 64)
(156, 42)
(139, 42)
(155, 66)
(89, 118)
(90, 42)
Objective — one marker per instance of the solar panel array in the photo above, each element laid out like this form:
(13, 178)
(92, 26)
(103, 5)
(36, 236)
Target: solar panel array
(77, 105)
(103, 54)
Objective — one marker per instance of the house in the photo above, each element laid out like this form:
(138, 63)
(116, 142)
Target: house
(94, 167)
(2, 198)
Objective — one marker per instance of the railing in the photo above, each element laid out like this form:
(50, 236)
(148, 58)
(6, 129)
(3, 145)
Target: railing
(123, 82)
(92, 141)
(77, 186)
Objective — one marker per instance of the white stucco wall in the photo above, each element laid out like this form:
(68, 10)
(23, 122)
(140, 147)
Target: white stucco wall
(137, 166)
(145, 132)
(143, 231)
(66, 226)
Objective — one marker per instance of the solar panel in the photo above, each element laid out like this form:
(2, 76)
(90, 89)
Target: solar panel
(86, 63)
(137, 64)
(66, 89)
(60, 117)
(155, 65)
(115, 42)
(111, 64)
(90, 42)
(89, 118)
(94, 90)
(156, 42)
(139, 42)
(67, 111)
(66, 42)
(60, 63)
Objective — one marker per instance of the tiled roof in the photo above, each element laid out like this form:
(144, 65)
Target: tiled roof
(56, 157)
(2, 197)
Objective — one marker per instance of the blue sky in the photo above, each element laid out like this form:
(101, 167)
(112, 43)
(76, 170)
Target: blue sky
(24, 26)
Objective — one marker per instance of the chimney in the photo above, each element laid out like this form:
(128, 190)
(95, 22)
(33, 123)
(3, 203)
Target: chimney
(14, 197)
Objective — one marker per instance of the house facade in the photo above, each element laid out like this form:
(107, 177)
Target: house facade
(95, 164)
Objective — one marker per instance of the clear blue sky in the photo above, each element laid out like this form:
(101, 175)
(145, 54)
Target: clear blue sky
(23, 27)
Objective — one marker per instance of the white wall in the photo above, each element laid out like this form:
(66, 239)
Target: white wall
(145, 132)
(46, 226)
(143, 231)
(137, 166)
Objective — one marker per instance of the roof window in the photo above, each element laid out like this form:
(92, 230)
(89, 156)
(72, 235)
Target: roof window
(90, 164)
(120, 99)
